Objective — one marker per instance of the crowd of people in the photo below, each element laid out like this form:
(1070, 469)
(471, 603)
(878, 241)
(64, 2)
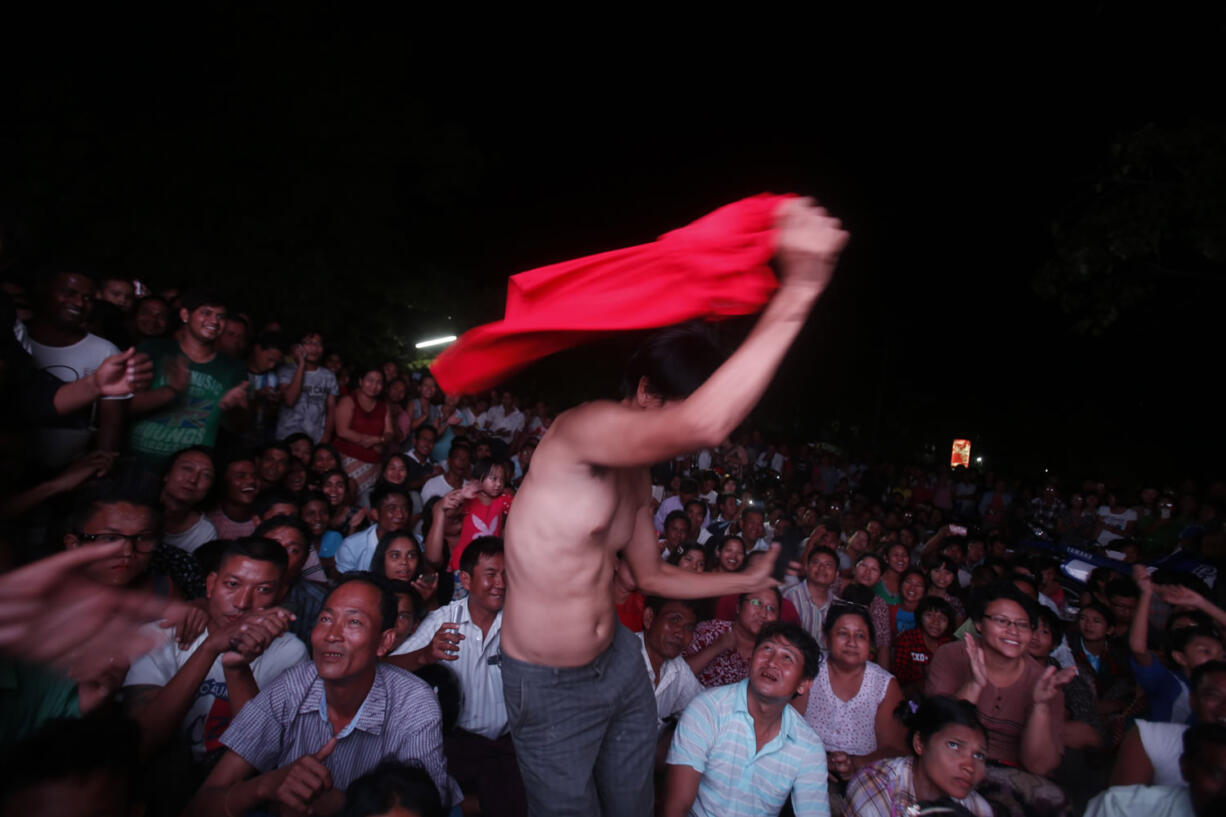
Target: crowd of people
(244, 573)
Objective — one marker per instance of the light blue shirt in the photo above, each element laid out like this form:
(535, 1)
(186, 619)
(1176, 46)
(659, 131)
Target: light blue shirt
(716, 737)
(356, 551)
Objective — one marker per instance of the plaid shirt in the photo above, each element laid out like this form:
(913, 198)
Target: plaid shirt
(886, 789)
(911, 656)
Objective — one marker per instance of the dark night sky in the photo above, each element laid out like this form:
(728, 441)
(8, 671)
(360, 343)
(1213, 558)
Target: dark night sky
(948, 146)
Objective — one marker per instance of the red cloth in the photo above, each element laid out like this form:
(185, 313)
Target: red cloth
(713, 268)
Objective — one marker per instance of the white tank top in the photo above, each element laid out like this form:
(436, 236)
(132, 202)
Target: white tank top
(847, 726)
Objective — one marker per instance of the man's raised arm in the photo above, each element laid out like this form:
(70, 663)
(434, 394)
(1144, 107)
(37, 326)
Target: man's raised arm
(616, 435)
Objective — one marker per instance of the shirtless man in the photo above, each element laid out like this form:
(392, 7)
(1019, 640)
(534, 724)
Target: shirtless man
(579, 704)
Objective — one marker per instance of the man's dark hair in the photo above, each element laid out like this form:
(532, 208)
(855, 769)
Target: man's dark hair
(399, 588)
(938, 605)
(387, 601)
(1123, 587)
(424, 427)
(1207, 668)
(384, 490)
(488, 546)
(688, 486)
(1047, 617)
(272, 340)
(296, 436)
(71, 748)
(795, 635)
(1003, 590)
(1184, 635)
(191, 449)
(197, 297)
(822, 550)
(256, 548)
(284, 520)
(668, 520)
(758, 509)
(460, 445)
(278, 445)
(265, 499)
(675, 361)
(311, 496)
(702, 505)
(95, 496)
(392, 784)
(656, 603)
(1200, 734)
(1025, 578)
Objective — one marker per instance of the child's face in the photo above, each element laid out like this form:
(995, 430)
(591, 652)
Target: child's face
(493, 482)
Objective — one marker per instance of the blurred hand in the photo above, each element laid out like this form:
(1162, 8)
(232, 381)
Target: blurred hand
(50, 613)
(120, 375)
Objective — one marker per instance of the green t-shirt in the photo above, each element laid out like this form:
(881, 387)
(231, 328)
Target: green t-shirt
(30, 696)
(193, 418)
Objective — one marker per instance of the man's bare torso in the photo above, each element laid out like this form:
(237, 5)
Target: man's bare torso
(568, 522)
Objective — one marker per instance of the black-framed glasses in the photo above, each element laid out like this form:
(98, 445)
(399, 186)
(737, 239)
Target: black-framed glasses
(1021, 625)
(142, 542)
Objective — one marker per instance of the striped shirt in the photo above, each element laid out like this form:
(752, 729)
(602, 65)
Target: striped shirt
(716, 738)
(812, 615)
(887, 789)
(399, 718)
(483, 709)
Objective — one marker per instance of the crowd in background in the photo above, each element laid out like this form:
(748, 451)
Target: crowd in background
(325, 537)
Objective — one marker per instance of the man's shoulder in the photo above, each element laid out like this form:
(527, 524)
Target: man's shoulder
(801, 733)
(407, 694)
(358, 539)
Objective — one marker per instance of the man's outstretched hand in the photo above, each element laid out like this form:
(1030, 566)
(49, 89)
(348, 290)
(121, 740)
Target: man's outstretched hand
(52, 614)
(809, 243)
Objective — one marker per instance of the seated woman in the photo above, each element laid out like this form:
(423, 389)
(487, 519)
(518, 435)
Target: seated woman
(727, 554)
(721, 650)
(363, 430)
(913, 649)
(851, 702)
(864, 578)
(889, 620)
(395, 469)
(397, 557)
(1019, 701)
(344, 515)
(897, 560)
(943, 583)
(948, 760)
(325, 458)
(689, 556)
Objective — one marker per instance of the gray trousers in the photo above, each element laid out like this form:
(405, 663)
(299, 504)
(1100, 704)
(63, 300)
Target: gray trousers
(585, 736)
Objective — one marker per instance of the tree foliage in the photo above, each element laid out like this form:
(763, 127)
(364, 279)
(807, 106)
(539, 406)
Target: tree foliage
(1150, 227)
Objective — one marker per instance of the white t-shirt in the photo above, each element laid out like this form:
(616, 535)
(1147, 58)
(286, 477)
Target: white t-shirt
(209, 713)
(310, 413)
(1163, 743)
(192, 538)
(56, 446)
(1116, 520)
(435, 486)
